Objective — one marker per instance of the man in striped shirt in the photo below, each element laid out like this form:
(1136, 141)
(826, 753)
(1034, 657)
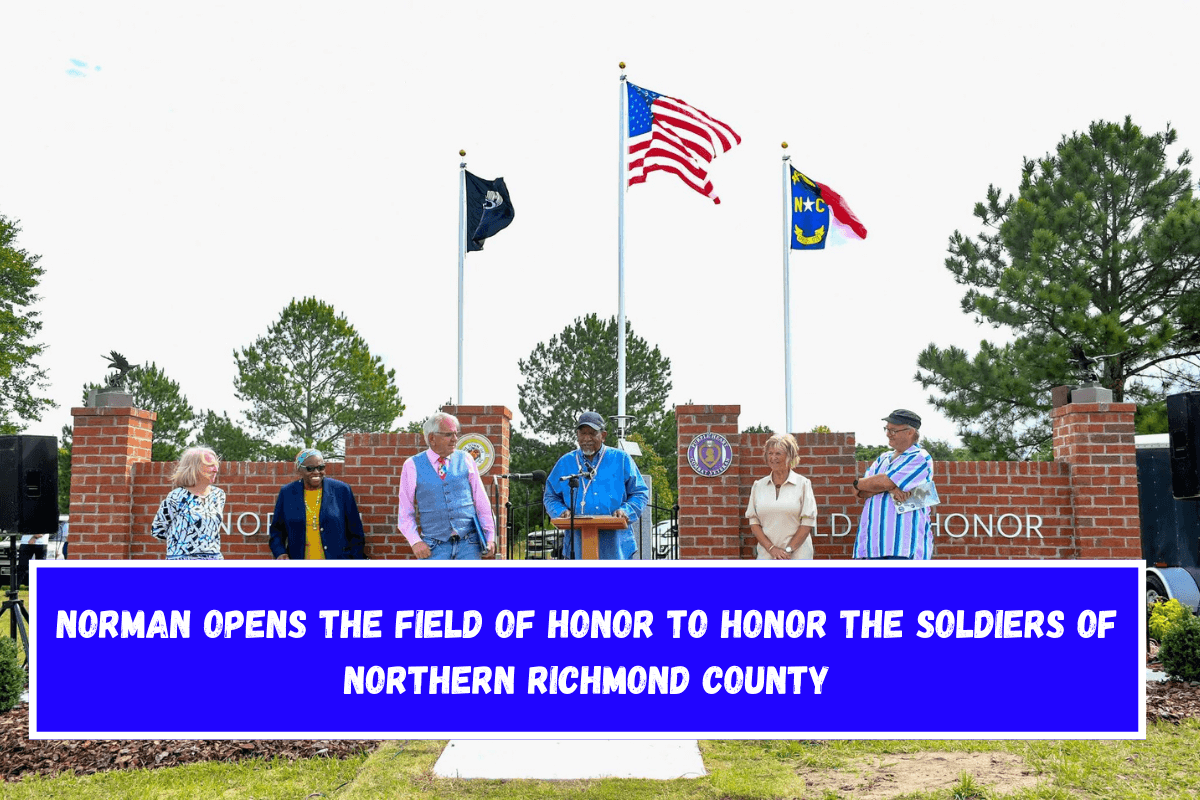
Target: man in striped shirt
(883, 532)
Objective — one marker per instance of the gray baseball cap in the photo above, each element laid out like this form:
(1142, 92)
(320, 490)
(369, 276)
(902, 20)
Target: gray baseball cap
(591, 419)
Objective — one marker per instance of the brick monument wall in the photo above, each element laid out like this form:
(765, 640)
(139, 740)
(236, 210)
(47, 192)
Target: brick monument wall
(1081, 505)
(116, 489)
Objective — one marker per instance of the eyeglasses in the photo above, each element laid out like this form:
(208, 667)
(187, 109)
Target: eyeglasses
(895, 431)
(451, 434)
(317, 468)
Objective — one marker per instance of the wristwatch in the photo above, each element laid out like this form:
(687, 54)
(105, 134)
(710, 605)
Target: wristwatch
(788, 549)
(856, 483)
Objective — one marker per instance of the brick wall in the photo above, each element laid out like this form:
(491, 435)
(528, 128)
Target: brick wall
(984, 503)
(250, 491)
(827, 459)
(1081, 505)
(116, 489)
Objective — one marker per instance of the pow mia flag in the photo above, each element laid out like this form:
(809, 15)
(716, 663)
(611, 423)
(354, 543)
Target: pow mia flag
(489, 210)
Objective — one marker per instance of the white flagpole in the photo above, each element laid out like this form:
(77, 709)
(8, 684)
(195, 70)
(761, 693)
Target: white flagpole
(462, 253)
(621, 179)
(787, 292)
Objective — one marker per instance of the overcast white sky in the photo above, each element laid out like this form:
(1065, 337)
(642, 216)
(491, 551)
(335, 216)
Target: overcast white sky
(207, 163)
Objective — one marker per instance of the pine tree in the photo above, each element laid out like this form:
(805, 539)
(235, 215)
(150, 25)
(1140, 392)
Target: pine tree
(1098, 253)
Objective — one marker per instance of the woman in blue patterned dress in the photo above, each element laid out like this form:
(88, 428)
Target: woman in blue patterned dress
(189, 518)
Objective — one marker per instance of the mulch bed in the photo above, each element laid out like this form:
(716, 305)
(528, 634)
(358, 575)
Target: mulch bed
(1172, 701)
(21, 756)
(1169, 701)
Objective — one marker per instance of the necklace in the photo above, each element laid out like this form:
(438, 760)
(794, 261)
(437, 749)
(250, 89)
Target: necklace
(586, 482)
(312, 508)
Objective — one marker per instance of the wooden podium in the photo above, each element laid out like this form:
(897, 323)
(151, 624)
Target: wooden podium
(590, 528)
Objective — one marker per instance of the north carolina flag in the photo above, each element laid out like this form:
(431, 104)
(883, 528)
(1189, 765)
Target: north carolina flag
(669, 135)
(820, 215)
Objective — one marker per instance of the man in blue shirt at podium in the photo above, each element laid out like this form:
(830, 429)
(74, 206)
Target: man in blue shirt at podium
(609, 484)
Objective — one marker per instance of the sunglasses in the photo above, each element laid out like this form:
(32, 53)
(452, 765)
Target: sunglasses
(317, 468)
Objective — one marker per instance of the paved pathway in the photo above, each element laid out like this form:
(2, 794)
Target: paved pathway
(658, 759)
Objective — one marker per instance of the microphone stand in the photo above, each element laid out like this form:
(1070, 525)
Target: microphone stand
(573, 483)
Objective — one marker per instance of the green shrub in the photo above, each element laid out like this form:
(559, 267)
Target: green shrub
(12, 674)
(1180, 650)
(1164, 616)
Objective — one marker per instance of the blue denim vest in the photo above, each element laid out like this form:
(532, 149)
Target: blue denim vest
(445, 506)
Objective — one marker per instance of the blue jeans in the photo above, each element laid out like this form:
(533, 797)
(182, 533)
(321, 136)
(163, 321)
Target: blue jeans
(456, 548)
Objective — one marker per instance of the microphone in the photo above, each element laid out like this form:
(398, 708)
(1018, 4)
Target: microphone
(537, 476)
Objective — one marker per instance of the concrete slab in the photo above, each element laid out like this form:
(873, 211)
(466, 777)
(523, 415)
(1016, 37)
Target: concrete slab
(1091, 394)
(655, 759)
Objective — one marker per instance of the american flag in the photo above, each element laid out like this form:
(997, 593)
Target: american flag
(668, 134)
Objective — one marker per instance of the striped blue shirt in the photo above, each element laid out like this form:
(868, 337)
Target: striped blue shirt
(883, 531)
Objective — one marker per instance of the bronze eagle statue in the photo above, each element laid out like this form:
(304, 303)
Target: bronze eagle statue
(122, 367)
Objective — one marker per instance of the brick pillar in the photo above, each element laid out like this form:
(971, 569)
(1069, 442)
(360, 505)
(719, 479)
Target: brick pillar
(106, 444)
(709, 508)
(495, 423)
(1096, 442)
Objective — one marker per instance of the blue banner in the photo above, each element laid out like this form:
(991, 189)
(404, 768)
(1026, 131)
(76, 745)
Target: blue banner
(588, 650)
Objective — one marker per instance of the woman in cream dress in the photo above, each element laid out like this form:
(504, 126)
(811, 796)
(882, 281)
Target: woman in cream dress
(782, 511)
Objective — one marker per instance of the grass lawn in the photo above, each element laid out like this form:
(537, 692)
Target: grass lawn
(1164, 767)
(1160, 768)
(245, 779)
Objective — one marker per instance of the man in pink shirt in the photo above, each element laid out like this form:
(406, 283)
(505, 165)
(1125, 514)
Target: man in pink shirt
(444, 510)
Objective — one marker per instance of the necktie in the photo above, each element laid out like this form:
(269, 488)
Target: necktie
(441, 469)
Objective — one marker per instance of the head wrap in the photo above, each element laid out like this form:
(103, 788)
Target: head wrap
(305, 453)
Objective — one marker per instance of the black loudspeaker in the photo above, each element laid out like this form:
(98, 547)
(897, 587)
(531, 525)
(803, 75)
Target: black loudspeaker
(1183, 420)
(28, 484)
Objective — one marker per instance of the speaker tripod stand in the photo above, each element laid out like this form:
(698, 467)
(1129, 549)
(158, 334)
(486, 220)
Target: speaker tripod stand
(19, 621)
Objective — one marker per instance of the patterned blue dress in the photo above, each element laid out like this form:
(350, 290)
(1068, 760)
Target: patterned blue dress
(190, 524)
